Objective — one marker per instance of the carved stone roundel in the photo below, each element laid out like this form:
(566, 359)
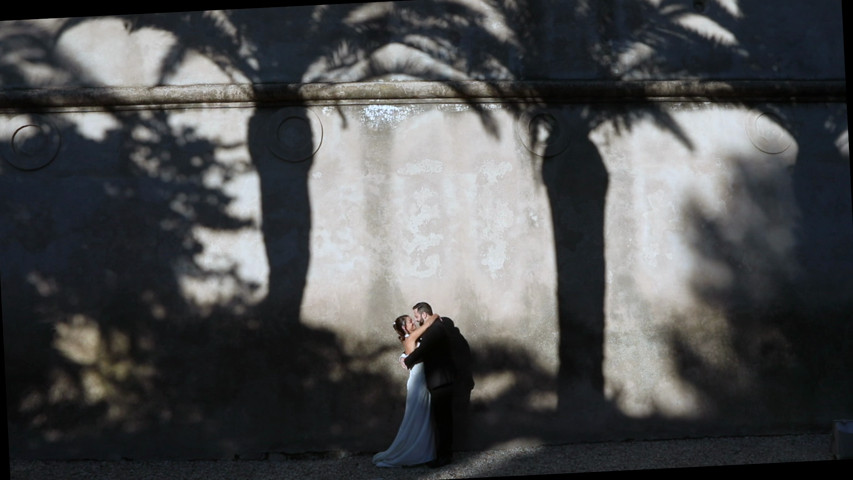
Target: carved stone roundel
(766, 133)
(542, 131)
(29, 142)
(294, 134)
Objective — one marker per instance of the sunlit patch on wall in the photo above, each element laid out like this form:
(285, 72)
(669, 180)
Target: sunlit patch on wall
(103, 370)
(44, 285)
(387, 116)
(843, 145)
(96, 126)
(494, 385)
(78, 340)
(706, 27)
(218, 276)
(294, 134)
(29, 142)
(542, 401)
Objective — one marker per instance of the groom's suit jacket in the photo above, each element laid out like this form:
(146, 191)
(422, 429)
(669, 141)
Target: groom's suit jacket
(435, 352)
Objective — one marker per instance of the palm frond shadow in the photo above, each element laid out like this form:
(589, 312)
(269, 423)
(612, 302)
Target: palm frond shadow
(230, 379)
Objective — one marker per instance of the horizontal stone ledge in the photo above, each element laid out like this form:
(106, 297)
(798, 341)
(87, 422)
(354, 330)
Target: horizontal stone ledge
(423, 92)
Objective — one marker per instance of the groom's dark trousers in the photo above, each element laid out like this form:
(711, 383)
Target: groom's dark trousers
(441, 404)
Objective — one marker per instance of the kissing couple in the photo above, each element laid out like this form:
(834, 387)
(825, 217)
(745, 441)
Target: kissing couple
(438, 359)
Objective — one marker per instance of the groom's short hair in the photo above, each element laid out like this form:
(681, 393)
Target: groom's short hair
(423, 307)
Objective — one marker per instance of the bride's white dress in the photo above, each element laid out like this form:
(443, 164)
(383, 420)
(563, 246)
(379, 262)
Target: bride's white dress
(415, 440)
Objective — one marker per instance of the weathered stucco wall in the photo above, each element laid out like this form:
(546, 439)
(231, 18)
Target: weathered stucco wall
(638, 213)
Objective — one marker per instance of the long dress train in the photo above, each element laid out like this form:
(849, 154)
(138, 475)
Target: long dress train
(415, 440)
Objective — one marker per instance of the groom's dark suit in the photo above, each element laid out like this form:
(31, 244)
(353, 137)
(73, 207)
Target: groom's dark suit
(435, 352)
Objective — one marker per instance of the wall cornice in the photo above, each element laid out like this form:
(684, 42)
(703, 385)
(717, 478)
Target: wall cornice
(225, 95)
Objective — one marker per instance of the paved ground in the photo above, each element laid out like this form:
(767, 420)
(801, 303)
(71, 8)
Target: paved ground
(806, 453)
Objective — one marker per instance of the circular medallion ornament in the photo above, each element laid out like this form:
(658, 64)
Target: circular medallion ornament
(542, 131)
(766, 134)
(294, 134)
(29, 142)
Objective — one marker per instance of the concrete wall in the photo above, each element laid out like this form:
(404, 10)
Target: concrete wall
(638, 213)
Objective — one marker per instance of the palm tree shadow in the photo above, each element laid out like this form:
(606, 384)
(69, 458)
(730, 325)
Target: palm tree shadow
(370, 48)
(788, 343)
(577, 182)
(175, 379)
(286, 213)
(121, 285)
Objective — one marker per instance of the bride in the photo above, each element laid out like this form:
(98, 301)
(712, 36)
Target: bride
(415, 440)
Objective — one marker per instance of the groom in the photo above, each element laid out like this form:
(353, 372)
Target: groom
(435, 352)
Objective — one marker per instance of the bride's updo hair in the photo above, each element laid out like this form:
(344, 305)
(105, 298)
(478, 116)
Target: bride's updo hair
(399, 326)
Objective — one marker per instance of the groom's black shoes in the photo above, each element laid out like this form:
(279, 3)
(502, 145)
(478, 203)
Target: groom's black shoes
(439, 462)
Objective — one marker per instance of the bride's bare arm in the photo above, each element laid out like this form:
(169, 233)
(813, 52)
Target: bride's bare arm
(411, 342)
